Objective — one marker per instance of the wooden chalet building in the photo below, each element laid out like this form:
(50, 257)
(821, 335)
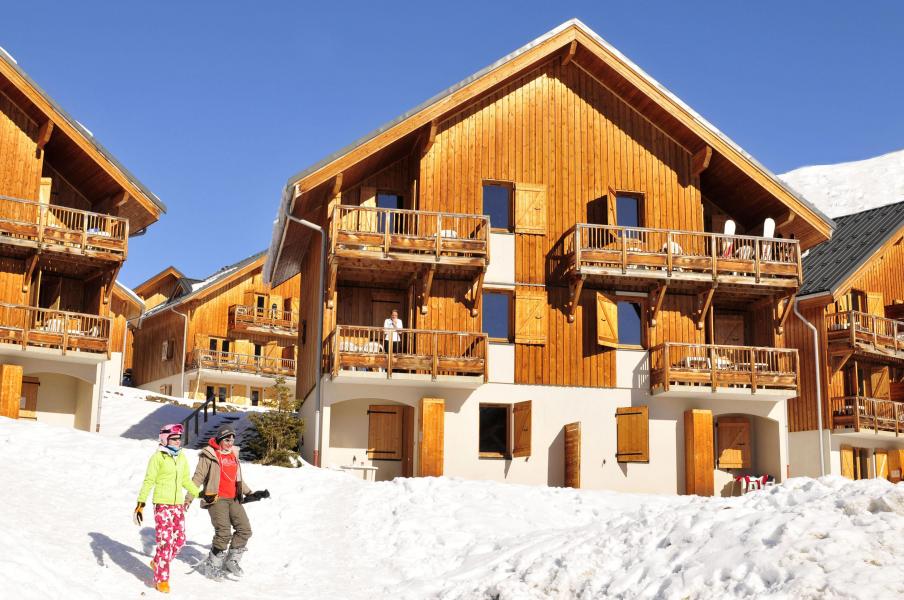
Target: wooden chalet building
(232, 334)
(552, 231)
(67, 209)
(853, 295)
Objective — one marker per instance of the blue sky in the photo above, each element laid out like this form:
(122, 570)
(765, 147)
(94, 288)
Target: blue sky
(214, 105)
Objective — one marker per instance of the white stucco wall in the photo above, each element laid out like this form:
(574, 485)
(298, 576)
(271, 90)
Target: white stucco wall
(803, 453)
(501, 269)
(501, 363)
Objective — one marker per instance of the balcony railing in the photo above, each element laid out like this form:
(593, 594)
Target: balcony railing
(646, 253)
(263, 319)
(57, 329)
(415, 234)
(418, 351)
(717, 366)
(866, 331)
(64, 229)
(860, 413)
(242, 363)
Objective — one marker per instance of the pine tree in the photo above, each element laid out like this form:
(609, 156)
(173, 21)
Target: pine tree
(275, 440)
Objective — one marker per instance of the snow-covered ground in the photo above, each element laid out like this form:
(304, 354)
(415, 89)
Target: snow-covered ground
(851, 187)
(66, 532)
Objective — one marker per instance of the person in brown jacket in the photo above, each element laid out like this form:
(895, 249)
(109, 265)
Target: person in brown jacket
(219, 475)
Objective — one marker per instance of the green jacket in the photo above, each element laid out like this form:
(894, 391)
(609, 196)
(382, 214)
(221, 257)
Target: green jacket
(167, 475)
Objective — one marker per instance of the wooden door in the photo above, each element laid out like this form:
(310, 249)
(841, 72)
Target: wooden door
(408, 441)
(699, 475)
(28, 406)
(881, 463)
(733, 442)
(728, 329)
(383, 304)
(895, 464)
(431, 423)
(573, 455)
(847, 462)
(10, 390)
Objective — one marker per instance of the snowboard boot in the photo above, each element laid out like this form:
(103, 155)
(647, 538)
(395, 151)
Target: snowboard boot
(163, 587)
(233, 558)
(212, 566)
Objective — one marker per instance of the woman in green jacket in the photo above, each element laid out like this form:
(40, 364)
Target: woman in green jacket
(168, 474)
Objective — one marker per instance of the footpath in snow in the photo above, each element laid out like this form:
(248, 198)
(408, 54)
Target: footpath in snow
(66, 532)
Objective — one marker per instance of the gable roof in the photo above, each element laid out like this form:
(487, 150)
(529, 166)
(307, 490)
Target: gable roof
(128, 296)
(170, 271)
(71, 138)
(193, 289)
(858, 238)
(635, 86)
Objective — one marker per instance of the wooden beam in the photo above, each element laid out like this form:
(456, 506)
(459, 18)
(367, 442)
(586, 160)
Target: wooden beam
(425, 291)
(569, 55)
(838, 360)
(700, 160)
(478, 294)
(337, 185)
(331, 283)
(431, 136)
(656, 298)
(111, 283)
(29, 271)
(44, 133)
(783, 315)
(574, 296)
(705, 303)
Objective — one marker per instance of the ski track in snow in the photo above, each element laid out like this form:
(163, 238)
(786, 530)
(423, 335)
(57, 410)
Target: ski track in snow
(66, 530)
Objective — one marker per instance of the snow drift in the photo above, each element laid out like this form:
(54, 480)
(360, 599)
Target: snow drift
(66, 531)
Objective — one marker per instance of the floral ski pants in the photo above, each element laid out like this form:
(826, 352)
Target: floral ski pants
(169, 520)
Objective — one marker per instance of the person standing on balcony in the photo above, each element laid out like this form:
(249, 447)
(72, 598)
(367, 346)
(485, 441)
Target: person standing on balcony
(392, 326)
(167, 473)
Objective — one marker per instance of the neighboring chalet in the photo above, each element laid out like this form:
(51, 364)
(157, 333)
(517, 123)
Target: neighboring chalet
(853, 295)
(232, 334)
(580, 267)
(67, 209)
(125, 309)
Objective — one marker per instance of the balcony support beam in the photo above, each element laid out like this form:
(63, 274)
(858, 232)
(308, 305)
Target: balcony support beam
(477, 294)
(782, 315)
(700, 160)
(704, 301)
(44, 133)
(656, 297)
(32, 262)
(569, 55)
(427, 286)
(839, 359)
(111, 283)
(574, 296)
(331, 283)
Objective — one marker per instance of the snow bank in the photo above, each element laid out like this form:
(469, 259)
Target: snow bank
(66, 531)
(851, 187)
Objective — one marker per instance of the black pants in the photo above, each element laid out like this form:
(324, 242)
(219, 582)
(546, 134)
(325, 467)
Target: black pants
(396, 347)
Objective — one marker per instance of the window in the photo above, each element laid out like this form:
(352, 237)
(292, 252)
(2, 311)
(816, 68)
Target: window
(494, 431)
(258, 350)
(217, 391)
(497, 316)
(165, 351)
(633, 428)
(389, 200)
(630, 324)
(497, 205)
(166, 389)
(218, 344)
(260, 301)
(628, 210)
(255, 397)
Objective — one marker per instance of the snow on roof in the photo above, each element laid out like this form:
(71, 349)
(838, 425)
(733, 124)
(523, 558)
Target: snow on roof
(131, 294)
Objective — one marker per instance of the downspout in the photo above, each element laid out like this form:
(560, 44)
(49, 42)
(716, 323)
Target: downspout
(319, 373)
(184, 348)
(816, 369)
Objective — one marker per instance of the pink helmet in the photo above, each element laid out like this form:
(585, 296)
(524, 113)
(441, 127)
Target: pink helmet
(169, 430)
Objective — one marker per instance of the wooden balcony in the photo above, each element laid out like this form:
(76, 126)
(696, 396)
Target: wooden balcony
(853, 333)
(425, 354)
(643, 259)
(28, 326)
(242, 363)
(266, 321)
(78, 233)
(680, 369)
(387, 244)
(860, 413)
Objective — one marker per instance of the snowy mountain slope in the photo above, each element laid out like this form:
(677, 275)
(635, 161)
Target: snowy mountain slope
(846, 188)
(66, 532)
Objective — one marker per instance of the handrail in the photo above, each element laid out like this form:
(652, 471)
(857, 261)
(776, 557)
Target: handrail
(212, 403)
(872, 413)
(233, 361)
(66, 330)
(409, 211)
(264, 316)
(881, 331)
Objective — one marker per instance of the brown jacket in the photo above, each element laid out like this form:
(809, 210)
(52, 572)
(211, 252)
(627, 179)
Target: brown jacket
(207, 475)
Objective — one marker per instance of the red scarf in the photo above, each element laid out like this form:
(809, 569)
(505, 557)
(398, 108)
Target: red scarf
(229, 468)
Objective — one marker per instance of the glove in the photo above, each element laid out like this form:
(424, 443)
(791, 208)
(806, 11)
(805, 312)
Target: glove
(255, 496)
(211, 498)
(137, 516)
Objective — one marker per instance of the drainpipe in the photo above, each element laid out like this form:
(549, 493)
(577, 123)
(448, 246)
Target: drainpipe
(184, 347)
(822, 466)
(319, 374)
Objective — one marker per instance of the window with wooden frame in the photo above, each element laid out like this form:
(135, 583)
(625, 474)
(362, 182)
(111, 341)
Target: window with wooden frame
(168, 349)
(216, 344)
(633, 429)
(384, 432)
(619, 321)
(260, 302)
(504, 430)
(497, 314)
(498, 200)
(629, 209)
(733, 443)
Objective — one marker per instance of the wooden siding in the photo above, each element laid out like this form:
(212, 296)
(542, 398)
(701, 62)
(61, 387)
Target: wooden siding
(802, 410)
(885, 275)
(20, 165)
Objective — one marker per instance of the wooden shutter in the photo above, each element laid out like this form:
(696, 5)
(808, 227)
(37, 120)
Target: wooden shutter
(530, 208)
(875, 304)
(573, 455)
(606, 320)
(10, 390)
(521, 429)
(30, 387)
(895, 464)
(881, 463)
(633, 428)
(847, 462)
(530, 316)
(612, 207)
(733, 442)
(384, 432)
(879, 385)
(698, 452)
(431, 435)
